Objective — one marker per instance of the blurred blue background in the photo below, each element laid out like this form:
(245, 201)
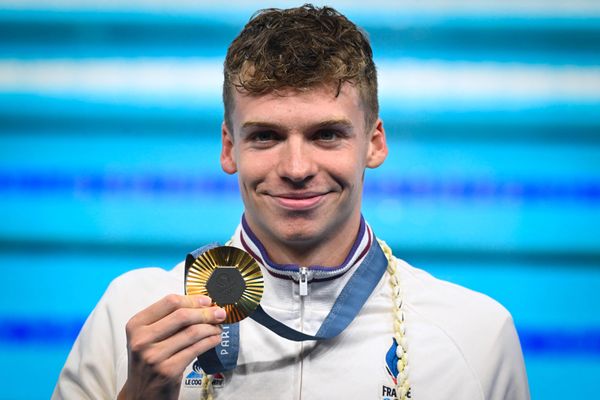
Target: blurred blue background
(109, 140)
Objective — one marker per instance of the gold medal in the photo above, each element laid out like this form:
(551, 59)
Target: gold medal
(230, 277)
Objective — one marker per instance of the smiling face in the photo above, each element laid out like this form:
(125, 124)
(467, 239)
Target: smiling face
(300, 158)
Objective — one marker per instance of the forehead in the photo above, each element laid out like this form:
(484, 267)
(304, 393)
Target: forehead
(298, 107)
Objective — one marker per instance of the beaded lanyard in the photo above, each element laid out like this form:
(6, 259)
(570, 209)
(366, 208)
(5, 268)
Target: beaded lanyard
(402, 383)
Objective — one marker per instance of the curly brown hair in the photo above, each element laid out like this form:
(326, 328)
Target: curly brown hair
(300, 48)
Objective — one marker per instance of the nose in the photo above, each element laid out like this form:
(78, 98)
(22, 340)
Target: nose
(296, 163)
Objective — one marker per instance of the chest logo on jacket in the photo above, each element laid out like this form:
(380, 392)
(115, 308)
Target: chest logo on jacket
(391, 367)
(194, 378)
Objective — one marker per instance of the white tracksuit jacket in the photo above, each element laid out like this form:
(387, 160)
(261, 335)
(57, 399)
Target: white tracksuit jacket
(461, 344)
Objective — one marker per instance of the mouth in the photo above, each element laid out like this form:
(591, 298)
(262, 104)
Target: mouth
(298, 201)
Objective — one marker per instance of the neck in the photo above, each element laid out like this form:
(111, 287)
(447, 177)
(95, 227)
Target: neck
(331, 252)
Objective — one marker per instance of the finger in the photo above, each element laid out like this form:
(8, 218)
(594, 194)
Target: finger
(161, 351)
(166, 306)
(182, 318)
(178, 362)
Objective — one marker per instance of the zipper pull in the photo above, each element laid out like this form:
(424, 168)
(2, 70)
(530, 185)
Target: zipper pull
(303, 281)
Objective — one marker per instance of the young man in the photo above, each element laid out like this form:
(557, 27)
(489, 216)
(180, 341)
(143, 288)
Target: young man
(301, 126)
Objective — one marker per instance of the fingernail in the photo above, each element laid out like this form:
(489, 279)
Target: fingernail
(220, 314)
(204, 301)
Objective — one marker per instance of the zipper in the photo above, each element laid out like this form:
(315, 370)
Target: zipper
(303, 281)
(302, 291)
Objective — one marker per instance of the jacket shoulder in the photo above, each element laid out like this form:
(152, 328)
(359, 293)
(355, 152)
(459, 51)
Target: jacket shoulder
(477, 326)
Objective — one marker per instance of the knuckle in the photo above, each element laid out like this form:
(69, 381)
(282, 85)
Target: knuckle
(195, 332)
(151, 357)
(206, 343)
(198, 332)
(208, 314)
(183, 316)
(133, 327)
(130, 327)
(215, 339)
(217, 330)
(136, 345)
(169, 369)
(172, 300)
(138, 342)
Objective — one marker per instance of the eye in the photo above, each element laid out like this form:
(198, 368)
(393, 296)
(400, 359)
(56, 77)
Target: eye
(264, 136)
(327, 135)
(263, 139)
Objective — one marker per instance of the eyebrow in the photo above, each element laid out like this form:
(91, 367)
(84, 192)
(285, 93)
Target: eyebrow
(259, 124)
(342, 122)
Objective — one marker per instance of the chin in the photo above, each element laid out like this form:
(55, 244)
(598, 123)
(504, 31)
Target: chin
(299, 233)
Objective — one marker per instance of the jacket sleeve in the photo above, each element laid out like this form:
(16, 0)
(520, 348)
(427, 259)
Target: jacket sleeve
(506, 377)
(91, 367)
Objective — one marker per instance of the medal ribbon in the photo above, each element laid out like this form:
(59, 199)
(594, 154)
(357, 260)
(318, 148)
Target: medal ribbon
(346, 307)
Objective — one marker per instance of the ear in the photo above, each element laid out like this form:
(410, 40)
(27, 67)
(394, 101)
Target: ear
(378, 149)
(227, 155)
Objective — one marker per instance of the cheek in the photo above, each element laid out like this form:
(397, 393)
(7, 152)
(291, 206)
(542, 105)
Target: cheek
(253, 169)
(350, 171)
